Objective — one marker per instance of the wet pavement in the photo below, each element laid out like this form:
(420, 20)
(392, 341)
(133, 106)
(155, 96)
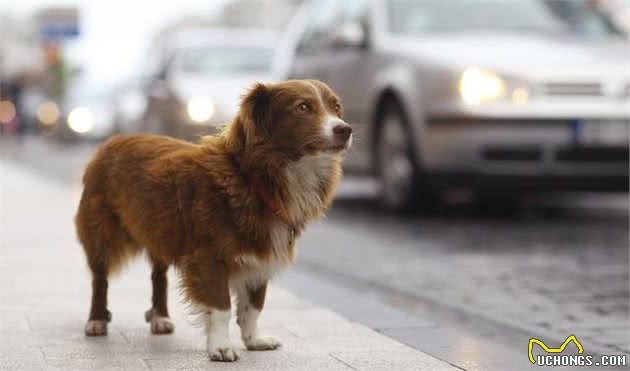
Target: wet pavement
(562, 274)
(484, 281)
(466, 284)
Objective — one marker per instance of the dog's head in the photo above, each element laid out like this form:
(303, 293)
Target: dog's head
(295, 117)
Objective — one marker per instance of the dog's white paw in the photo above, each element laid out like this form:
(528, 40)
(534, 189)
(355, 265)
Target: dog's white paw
(262, 343)
(96, 327)
(161, 325)
(223, 353)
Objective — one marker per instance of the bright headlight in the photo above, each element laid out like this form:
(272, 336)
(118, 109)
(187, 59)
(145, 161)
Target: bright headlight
(81, 120)
(200, 109)
(478, 86)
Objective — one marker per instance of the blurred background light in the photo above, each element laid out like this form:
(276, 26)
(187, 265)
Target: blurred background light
(48, 113)
(200, 109)
(81, 120)
(7, 111)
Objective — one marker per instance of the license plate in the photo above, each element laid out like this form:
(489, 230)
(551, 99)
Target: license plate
(602, 132)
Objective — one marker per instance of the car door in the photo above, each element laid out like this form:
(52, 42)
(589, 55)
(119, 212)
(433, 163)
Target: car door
(321, 56)
(347, 70)
(310, 59)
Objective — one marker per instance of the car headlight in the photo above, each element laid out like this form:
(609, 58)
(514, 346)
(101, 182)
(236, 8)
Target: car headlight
(477, 86)
(81, 120)
(200, 109)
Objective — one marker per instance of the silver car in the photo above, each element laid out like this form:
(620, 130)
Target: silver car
(491, 95)
(200, 77)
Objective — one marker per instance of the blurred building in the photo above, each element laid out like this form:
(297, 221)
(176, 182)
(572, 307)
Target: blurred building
(21, 62)
(258, 13)
(20, 52)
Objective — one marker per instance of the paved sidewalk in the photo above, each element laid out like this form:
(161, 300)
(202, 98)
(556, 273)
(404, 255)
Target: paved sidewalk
(44, 296)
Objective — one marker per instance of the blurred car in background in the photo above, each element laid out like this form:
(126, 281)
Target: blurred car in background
(129, 104)
(202, 76)
(87, 112)
(498, 96)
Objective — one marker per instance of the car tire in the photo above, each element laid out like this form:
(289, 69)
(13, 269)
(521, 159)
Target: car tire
(404, 187)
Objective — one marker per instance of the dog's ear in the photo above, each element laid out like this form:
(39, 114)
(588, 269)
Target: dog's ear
(255, 111)
(253, 121)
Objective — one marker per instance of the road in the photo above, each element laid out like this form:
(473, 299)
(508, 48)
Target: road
(466, 284)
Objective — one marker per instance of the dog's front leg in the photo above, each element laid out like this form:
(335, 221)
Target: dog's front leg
(249, 304)
(218, 339)
(207, 287)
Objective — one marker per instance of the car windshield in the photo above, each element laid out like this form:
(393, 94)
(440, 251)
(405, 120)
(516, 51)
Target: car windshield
(87, 91)
(580, 17)
(226, 60)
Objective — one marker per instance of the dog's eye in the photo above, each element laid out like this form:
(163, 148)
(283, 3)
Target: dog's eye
(303, 107)
(337, 107)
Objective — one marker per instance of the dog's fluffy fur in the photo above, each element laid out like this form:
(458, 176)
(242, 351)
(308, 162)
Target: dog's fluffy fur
(224, 211)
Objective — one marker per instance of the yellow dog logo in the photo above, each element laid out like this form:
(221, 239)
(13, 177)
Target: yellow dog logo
(544, 346)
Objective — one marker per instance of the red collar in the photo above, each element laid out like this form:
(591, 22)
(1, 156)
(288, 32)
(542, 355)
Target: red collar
(273, 204)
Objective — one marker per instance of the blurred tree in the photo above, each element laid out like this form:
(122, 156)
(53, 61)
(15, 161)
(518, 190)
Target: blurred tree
(56, 72)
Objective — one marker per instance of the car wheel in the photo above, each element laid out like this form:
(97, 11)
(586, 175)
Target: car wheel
(401, 184)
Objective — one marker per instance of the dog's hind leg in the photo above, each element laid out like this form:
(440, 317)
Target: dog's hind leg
(99, 315)
(158, 314)
(107, 245)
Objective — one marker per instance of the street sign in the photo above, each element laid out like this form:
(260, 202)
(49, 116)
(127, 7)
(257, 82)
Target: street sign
(57, 24)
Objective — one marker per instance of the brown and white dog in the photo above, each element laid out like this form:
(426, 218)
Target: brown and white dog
(225, 211)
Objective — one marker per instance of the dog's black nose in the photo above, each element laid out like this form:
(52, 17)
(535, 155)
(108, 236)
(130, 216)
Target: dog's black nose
(342, 130)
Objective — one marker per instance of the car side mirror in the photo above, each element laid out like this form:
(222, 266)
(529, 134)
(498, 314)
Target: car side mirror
(349, 35)
(162, 75)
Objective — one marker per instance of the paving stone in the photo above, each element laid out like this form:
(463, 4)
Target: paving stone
(399, 360)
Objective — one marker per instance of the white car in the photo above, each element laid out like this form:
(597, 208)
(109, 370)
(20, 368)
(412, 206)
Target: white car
(86, 112)
(203, 73)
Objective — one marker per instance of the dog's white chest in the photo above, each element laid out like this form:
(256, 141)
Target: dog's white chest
(254, 270)
(305, 178)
